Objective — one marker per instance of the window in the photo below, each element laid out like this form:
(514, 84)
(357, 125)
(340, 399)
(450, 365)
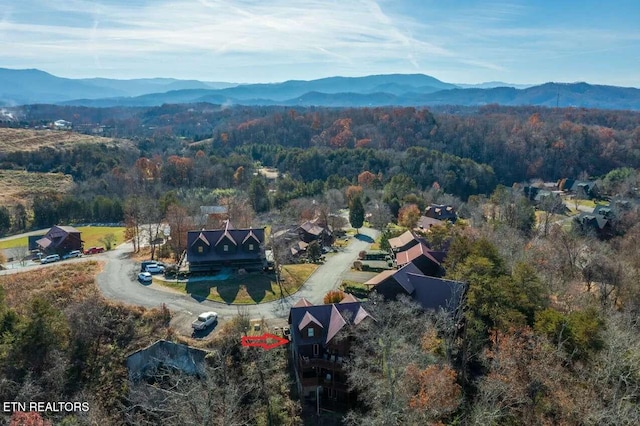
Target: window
(310, 331)
(225, 248)
(250, 247)
(316, 349)
(200, 249)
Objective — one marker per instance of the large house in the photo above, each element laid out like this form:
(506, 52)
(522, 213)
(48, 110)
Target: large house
(213, 250)
(60, 240)
(321, 346)
(431, 293)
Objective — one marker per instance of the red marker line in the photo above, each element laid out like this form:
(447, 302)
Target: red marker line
(263, 341)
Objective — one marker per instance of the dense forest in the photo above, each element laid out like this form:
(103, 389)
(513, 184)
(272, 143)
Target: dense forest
(550, 328)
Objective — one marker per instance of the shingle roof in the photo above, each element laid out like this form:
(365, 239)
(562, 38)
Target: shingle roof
(336, 322)
(308, 319)
(427, 222)
(402, 276)
(302, 302)
(413, 253)
(380, 277)
(348, 298)
(401, 240)
(326, 315)
(436, 293)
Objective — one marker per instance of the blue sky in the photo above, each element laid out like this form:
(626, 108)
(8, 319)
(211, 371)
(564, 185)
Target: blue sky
(459, 41)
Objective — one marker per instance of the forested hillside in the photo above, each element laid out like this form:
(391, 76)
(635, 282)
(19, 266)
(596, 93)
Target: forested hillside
(549, 331)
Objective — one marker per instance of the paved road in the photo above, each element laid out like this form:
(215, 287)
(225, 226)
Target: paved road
(118, 282)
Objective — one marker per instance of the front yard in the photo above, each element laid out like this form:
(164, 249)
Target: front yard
(245, 289)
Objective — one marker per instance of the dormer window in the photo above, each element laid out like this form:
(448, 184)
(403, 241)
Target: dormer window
(225, 247)
(310, 332)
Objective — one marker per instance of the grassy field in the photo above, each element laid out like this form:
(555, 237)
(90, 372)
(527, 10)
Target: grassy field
(19, 185)
(12, 140)
(90, 235)
(246, 289)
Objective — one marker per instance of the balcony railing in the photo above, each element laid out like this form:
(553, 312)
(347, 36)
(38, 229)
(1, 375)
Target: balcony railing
(332, 362)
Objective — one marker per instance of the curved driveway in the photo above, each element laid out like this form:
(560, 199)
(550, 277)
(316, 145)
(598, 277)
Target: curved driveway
(118, 282)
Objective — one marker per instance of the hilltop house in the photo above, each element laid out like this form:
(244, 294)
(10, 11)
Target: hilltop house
(210, 251)
(321, 345)
(60, 240)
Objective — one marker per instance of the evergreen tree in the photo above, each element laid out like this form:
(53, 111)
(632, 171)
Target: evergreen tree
(356, 213)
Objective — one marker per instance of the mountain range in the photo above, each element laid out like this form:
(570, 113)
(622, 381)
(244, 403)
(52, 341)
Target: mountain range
(19, 87)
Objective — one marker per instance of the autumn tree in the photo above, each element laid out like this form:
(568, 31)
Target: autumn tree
(333, 296)
(179, 223)
(408, 216)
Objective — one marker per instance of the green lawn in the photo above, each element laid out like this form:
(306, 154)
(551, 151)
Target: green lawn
(90, 235)
(246, 289)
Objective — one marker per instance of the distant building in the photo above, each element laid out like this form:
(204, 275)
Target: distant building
(312, 231)
(441, 212)
(213, 250)
(62, 125)
(60, 240)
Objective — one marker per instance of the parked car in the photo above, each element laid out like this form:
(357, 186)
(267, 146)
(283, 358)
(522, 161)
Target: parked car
(204, 320)
(50, 258)
(145, 277)
(154, 268)
(71, 254)
(94, 250)
(145, 263)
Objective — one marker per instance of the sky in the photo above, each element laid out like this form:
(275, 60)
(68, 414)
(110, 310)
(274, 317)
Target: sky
(251, 41)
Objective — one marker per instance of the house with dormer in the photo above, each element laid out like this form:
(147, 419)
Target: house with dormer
(60, 240)
(209, 251)
(320, 347)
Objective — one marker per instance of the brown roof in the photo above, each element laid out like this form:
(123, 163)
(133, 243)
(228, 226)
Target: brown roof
(427, 222)
(348, 298)
(401, 240)
(302, 302)
(307, 319)
(413, 253)
(361, 315)
(68, 229)
(44, 242)
(312, 228)
(380, 277)
(335, 323)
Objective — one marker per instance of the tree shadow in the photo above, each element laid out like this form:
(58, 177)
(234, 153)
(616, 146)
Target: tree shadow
(198, 290)
(365, 238)
(228, 291)
(258, 286)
